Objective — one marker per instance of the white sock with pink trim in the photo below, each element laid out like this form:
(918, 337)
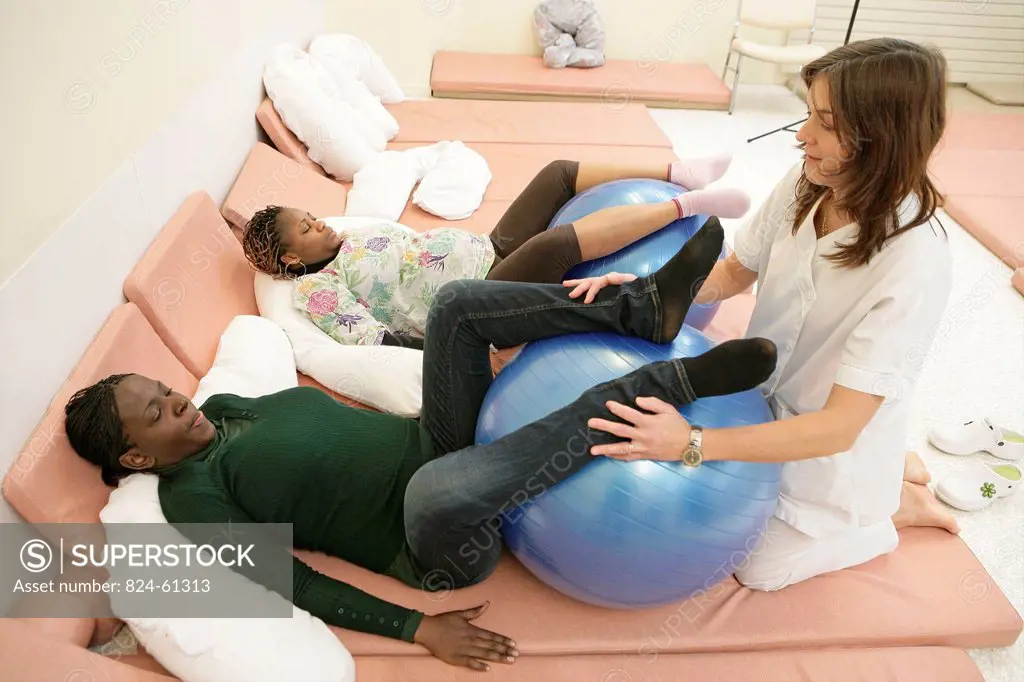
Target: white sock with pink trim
(724, 202)
(698, 173)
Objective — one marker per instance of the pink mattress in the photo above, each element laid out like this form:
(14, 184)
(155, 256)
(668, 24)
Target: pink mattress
(983, 130)
(512, 167)
(924, 594)
(515, 165)
(995, 221)
(979, 172)
(433, 120)
(913, 597)
(30, 656)
(618, 81)
(903, 664)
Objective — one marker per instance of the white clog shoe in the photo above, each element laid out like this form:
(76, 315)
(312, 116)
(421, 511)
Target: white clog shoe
(978, 485)
(978, 435)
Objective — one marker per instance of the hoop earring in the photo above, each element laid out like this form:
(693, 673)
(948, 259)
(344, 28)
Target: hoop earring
(295, 275)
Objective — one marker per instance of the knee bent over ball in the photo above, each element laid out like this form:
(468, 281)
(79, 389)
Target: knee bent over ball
(628, 534)
(647, 255)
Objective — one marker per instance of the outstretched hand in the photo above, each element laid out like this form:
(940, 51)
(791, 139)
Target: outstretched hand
(592, 285)
(452, 638)
(659, 432)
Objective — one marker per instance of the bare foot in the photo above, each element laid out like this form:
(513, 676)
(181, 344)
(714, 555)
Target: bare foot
(914, 469)
(920, 507)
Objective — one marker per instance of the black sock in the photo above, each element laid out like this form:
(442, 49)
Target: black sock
(731, 367)
(680, 279)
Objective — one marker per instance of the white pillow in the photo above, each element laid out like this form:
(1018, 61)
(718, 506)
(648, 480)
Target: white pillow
(253, 358)
(332, 131)
(388, 378)
(356, 58)
(355, 93)
(301, 648)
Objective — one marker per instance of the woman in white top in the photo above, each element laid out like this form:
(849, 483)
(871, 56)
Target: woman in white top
(853, 277)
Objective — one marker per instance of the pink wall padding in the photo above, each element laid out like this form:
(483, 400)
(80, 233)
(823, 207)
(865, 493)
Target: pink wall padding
(931, 591)
(192, 281)
(995, 221)
(283, 138)
(269, 177)
(617, 82)
(48, 482)
(433, 120)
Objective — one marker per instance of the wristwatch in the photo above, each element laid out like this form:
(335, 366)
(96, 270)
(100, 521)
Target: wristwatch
(693, 455)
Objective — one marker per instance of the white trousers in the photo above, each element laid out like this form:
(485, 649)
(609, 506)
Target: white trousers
(785, 555)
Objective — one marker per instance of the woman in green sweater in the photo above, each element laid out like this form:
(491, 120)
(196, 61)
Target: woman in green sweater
(397, 496)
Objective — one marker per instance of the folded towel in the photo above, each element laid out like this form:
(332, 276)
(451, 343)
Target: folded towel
(381, 188)
(455, 187)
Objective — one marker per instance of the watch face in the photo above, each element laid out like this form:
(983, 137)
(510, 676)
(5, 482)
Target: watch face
(691, 457)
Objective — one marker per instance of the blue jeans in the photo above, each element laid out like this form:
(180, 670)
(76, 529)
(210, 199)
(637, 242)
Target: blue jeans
(453, 503)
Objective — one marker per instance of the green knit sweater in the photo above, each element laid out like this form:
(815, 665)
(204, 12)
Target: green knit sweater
(337, 473)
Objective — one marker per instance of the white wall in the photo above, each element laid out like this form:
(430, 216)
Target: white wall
(119, 114)
(406, 33)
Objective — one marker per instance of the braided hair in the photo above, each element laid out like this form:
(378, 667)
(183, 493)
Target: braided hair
(94, 428)
(262, 243)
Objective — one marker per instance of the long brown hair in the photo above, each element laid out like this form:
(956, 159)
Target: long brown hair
(888, 101)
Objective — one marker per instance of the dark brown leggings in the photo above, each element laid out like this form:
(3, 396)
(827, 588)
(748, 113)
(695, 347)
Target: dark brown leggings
(526, 251)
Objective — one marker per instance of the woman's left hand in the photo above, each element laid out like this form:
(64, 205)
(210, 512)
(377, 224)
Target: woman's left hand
(659, 433)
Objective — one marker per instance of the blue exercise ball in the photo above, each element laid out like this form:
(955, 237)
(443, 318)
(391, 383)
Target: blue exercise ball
(646, 255)
(629, 534)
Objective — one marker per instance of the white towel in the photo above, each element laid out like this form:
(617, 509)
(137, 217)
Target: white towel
(381, 188)
(455, 187)
(452, 180)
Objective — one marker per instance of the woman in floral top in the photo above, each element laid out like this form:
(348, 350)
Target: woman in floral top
(374, 285)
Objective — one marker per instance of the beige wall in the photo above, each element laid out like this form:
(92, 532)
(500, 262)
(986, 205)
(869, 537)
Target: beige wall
(85, 84)
(406, 33)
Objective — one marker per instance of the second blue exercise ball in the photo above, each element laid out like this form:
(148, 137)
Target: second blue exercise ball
(628, 534)
(646, 255)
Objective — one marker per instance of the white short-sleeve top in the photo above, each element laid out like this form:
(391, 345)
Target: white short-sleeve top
(867, 328)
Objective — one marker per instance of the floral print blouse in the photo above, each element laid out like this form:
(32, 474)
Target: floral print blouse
(385, 278)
